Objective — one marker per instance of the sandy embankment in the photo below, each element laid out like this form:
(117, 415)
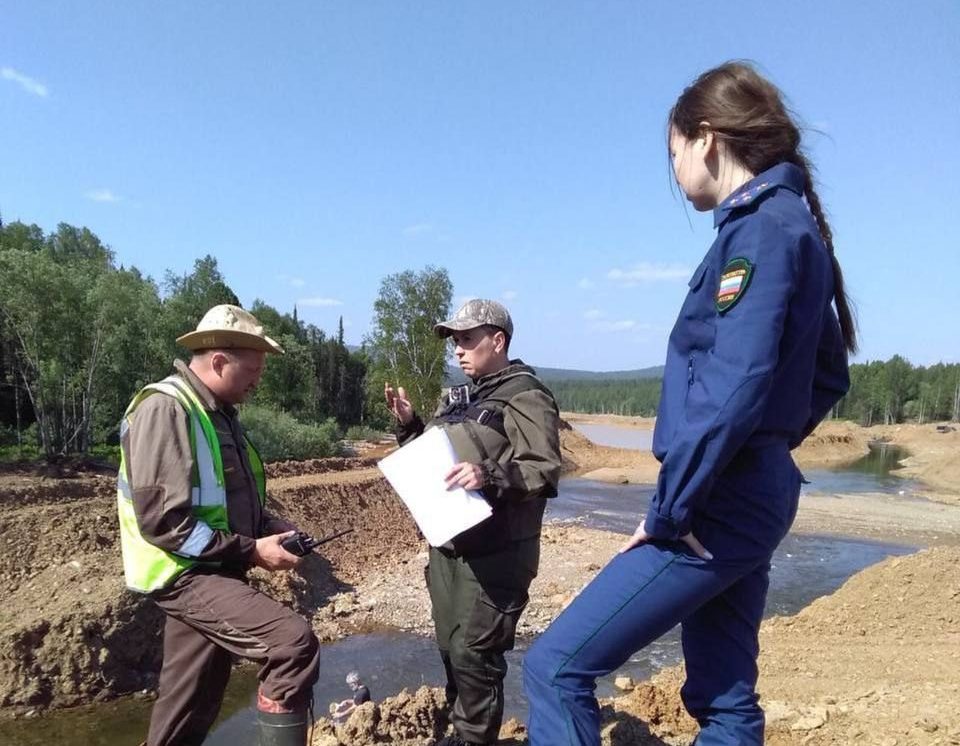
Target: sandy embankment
(832, 443)
(874, 663)
(934, 457)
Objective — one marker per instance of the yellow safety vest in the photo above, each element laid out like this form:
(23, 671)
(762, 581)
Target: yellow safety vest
(148, 567)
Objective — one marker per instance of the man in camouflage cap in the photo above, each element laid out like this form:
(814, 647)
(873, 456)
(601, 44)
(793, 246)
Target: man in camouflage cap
(477, 313)
(504, 428)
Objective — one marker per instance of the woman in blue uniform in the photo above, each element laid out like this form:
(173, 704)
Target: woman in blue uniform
(758, 356)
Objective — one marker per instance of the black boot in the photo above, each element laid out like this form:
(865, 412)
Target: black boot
(282, 728)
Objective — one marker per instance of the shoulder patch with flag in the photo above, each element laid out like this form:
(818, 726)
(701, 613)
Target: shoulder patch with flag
(734, 280)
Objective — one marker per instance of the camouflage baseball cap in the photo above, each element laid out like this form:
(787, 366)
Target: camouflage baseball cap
(474, 313)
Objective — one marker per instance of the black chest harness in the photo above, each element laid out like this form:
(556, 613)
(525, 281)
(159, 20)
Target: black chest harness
(484, 404)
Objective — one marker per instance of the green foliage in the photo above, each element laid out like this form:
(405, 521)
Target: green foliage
(128, 310)
(288, 381)
(189, 297)
(106, 453)
(279, 435)
(403, 348)
(362, 432)
(15, 453)
(896, 391)
(52, 332)
(880, 392)
(79, 336)
(639, 397)
(318, 377)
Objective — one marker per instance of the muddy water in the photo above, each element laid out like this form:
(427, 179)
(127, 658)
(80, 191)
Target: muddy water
(804, 568)
(872, 473)
(617, 437)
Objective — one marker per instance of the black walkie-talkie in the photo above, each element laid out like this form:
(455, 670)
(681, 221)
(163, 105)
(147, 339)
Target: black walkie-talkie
(302, 544)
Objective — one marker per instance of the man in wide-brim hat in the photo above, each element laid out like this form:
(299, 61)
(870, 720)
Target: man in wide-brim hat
(191, 494)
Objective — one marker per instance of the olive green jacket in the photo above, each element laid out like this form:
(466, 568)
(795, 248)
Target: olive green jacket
(517, 444)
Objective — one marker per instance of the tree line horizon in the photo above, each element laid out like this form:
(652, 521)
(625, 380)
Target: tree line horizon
(80, 334)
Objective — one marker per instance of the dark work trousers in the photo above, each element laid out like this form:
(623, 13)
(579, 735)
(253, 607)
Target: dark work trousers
(212, 617)
(477, 602)
(644, 592)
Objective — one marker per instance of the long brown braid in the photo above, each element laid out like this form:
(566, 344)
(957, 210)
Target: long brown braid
(747, 113)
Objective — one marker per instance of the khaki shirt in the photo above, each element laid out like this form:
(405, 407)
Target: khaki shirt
(159, 461)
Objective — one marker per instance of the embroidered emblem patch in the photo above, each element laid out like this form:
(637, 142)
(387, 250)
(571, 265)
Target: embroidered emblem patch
(734, 280)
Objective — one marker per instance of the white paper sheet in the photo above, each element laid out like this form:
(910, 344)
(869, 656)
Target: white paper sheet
(416, 472)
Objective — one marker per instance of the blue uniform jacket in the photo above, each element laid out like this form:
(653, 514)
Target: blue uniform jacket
(756, 354)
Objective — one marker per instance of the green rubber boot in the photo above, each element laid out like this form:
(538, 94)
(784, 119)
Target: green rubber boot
(282, 728)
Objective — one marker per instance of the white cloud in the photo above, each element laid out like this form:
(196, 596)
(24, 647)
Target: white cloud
(317, 302)
(621, 326)
(510, 294)
(102, 195)
(24, 81)
(648, 272)
(593, 314)
(418, 229)
(586, 283)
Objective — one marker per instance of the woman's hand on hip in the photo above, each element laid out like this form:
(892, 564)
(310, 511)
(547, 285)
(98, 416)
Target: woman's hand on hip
(640, 536)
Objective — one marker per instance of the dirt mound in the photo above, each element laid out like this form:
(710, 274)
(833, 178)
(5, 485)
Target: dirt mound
(583, 454)
(604, 463)
(17, 491)
(382, 526)
(873, 663)
(934, 457)
(408, 719)
(834, 442)
(316, 466)
(58, 468)
(71, 633)
(405, 719)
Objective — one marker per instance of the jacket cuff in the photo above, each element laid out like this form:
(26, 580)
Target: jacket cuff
(230, 549)
(493, 483)
(273, 525)
(660, 527)
(409, 431)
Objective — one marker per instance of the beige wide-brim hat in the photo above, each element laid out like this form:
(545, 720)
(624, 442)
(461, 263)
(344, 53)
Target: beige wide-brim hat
(229, 327)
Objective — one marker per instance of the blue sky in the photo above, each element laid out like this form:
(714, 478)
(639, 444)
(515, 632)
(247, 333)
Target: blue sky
(315, 147)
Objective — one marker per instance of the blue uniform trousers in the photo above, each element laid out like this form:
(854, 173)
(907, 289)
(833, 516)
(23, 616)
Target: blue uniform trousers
(643, 593)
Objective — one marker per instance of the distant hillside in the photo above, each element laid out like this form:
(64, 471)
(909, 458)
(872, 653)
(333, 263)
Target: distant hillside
(455, 375)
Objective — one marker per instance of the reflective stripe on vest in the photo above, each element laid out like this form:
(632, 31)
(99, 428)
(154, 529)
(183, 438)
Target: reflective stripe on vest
(147, 567)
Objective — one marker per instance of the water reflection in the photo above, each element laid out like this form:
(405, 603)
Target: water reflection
(872, 473)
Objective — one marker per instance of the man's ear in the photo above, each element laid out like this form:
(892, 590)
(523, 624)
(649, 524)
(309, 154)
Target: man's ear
(500, 341)
(217, 361)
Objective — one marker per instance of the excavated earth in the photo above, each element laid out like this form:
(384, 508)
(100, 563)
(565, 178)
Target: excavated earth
(874, 663)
